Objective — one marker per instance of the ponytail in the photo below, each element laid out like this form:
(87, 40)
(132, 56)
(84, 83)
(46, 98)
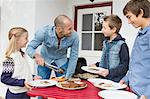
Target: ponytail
(12, 47)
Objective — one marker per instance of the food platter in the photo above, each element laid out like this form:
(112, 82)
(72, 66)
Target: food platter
(117, 94)
(92, 69)
(60, 85)
(43, 83)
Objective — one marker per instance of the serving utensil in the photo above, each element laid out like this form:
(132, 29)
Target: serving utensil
(56, 69)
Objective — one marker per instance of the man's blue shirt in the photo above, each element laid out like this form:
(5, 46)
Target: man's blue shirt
(50, 50)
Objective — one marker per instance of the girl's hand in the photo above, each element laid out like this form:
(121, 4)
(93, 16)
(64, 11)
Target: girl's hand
(27, 85)
(37, 78)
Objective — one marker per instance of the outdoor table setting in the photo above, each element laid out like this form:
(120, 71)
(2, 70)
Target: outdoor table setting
(76, 88)
(89, 92)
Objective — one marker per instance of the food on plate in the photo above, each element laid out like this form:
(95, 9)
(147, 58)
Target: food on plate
(75, 79)
(86, 75)
(93, 68)
(44, 82)
(106, 84)
(72, 84)
(81, 84)
(59, 79)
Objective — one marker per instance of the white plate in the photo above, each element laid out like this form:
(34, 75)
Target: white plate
(43, 83)
(92, 69)
(117, 94)
(59, 85)
(98, 80)
(113, 85)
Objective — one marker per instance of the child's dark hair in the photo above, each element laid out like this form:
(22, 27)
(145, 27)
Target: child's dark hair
(135, 6)
(114, 22)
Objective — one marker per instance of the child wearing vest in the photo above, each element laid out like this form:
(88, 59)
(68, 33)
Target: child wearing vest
(115, 54)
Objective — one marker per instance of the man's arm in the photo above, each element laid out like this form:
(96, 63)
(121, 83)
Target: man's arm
(37, 41)
(73, 58)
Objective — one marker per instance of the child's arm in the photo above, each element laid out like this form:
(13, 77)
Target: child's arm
(6, 76)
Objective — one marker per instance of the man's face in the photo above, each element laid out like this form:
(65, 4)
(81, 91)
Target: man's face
(67, 30)
(133, 19)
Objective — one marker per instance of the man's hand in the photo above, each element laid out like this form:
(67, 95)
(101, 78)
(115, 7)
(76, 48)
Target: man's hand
(37, 78)
(39, 60)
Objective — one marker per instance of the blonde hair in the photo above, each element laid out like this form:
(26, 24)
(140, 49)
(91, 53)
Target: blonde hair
(14, 34)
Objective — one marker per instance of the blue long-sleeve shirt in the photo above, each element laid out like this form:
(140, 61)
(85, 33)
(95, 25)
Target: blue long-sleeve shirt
(52, 51)
(138, 75)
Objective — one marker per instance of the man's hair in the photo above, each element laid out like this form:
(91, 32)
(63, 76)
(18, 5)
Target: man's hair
(135, 7)
(114, 22)
(60, 20)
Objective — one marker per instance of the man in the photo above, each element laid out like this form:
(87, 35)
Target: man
(138, 76)
(55, 41)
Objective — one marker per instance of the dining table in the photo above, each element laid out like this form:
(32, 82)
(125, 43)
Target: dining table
(54, 92)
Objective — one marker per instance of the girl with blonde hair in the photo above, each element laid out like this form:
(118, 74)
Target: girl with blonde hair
(16, 71)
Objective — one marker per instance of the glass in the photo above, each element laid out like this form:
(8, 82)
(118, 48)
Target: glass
(86, 41)
(98, 41)
(87, 21)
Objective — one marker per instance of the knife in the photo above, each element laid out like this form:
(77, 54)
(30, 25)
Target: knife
(56, 69)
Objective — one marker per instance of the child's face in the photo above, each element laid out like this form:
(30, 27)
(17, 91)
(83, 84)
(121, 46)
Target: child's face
(107, 31)
(134, 20)
(22, 40)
